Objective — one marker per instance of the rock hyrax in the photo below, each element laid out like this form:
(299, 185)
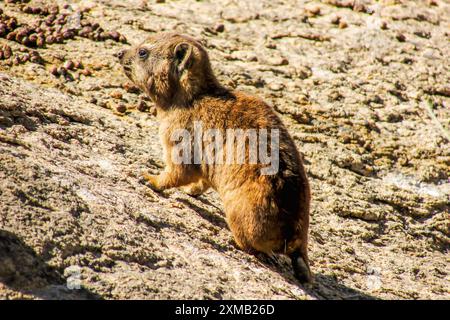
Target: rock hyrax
(266, 211)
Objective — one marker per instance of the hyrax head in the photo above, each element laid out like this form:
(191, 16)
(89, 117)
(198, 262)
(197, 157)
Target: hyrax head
(171, 68)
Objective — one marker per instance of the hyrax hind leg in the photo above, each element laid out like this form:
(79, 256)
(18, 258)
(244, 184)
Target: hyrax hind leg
(251, 235)
(256, 230)
(300, 265)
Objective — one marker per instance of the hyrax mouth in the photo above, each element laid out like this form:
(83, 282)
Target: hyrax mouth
(126, 63)
(127, 69)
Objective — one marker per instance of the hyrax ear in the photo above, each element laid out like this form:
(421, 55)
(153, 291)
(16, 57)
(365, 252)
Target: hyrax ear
(184, 56)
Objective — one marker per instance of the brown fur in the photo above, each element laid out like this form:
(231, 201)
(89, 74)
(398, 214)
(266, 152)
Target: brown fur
(266, 213)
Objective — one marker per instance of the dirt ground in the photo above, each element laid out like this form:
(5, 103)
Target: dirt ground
(364, 88)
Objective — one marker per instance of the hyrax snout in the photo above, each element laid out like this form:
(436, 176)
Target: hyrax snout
(232, 142)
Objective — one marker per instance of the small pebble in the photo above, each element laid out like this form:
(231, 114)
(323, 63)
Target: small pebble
(54, 70)
(121, 108)
(69, 65)
(280, 61)
(78, 64)
(142, 106)
(400, 37)
(131, 88)
(275, 86)
(16, 60)
(219, 27)
(336, 20)
(271, 45)
(86, 72)
(69, 77)
(50, 39)
(114, 35)
(7, 51)
(116, 95)
(25, 58)
(359, 7)
(36, 59)
(62, 71)
(302, 99)
(313, 11)
(343, 25)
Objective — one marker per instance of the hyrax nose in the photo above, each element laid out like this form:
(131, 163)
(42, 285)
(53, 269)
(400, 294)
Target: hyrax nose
(120, 54)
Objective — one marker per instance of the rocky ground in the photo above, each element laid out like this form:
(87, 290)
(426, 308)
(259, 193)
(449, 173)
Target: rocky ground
(364, 88)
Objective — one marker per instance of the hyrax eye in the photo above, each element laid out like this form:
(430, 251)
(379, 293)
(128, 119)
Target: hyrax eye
(143, 53)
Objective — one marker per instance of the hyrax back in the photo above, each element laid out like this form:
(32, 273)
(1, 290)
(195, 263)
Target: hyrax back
(266, 211)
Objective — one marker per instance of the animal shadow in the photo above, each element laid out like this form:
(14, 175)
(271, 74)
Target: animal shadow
(22, 270)
(324, 287)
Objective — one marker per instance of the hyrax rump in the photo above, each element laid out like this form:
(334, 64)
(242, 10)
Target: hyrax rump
(266, 212)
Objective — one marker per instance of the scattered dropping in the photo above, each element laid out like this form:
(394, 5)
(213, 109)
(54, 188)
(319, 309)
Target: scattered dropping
(131, 88)
(142, 105)
(121, 108)
(335, 20)
(400, 37)
(51, 27)
(116, 95)
(343, 25)
(219, 27)
(313, 11)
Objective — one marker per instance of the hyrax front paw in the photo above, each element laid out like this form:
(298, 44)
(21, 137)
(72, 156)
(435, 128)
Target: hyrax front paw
(192, 190)
(152, 181)
(195, 189)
